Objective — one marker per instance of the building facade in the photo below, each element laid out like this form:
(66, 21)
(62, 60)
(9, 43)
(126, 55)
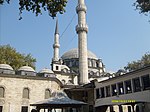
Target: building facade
(126, 93)
(18, 91)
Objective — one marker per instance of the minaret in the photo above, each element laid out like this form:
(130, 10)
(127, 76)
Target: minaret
(82, 30)
(56, 45)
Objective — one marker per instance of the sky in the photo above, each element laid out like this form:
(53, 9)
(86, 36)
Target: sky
(118, 34)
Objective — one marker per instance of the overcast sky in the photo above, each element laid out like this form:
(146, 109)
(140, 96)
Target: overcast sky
(117, 33)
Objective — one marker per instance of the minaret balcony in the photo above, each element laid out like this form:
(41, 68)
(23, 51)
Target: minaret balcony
(81, 7)
(56, 45)
(82, 27)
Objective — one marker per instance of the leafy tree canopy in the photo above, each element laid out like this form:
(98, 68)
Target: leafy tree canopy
(15, 59)
(144, 61)
(143, 6)
(36, 6)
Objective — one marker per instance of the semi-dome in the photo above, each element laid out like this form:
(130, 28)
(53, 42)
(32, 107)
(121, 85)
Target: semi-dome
(46, 70)
(26, 68)
(5, 66)
(73, 53)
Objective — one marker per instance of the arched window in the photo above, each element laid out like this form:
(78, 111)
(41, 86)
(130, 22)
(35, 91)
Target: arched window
(47, 93)
(2, 92)
(26, 93)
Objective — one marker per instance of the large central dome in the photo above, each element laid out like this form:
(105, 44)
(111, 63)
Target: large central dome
(73, 53)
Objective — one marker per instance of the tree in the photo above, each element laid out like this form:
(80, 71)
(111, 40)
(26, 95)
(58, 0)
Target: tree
(15, 59)
(143, 6)
(144, 61)
(37, 6)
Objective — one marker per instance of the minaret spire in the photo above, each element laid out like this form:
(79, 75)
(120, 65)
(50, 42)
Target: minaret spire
(56, 44)
(56, 29)
(82, 30)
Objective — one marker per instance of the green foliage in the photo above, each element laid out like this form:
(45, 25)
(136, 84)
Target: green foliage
(144, 61)
(143, 6)
(36, 6)
(15, 59)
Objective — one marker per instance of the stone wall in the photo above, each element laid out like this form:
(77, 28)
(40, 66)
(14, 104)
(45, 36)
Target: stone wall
(14, 85)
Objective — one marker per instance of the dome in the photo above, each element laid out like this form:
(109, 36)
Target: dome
(46, 70)
(73, 53)
(26, 68)
(5, 66)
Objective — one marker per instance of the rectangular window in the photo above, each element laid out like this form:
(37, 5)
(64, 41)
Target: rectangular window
(120, 88)
(114, 90)
(146, 82)
(128, 86)
(97, 94)
(107, 91)
(24, 109)
(1, 108)
(136, 84)
(102, 92)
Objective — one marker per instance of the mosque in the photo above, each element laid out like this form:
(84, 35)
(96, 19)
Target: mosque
(80, 74)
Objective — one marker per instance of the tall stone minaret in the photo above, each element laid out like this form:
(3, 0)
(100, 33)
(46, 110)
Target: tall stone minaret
(56, 45)
(82, 30)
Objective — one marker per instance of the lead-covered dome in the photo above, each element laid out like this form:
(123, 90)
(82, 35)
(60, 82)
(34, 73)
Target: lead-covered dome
(6, 69)
(26, 68)
(5, 66)
(46, 70)
(73, 53)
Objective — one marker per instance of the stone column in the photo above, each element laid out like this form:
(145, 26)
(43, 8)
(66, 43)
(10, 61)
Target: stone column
(82, 30)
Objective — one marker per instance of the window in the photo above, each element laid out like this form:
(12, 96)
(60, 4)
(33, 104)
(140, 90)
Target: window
(2, 91)
(97, 93)
(1, 108)
(24, 109)
(102, 92)
(70, 64)
(136, 84)
(128, 86)
(146, 82)
(77, 62)
(56, 67)
(26, 93)
(97, 64)
(107, 91)
(120, 88)
(114, 90)
(47, 93)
